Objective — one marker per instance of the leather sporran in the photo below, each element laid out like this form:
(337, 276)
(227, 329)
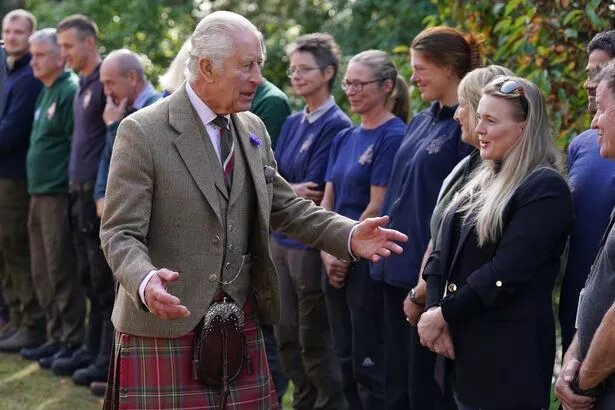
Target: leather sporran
(220, 346)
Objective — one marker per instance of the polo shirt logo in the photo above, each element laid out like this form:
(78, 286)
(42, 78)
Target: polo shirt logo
(87, 98)
(51, 111)
(434, 146)
(307, 143)
(367, 156)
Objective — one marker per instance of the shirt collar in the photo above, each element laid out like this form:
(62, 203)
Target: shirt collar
(143, 96)
(443, 113)
(204, 112)
(21, 62)
(60, 78)
(94, 76)
(311, 117)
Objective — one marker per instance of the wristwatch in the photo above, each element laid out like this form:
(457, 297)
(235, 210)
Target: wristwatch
(593, 392)
(413, 298)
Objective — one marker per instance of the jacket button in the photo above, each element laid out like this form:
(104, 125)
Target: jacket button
(213, 277)
(230, 247)
(216, 240)
(498, 283)
(227, 266)
(452, 288)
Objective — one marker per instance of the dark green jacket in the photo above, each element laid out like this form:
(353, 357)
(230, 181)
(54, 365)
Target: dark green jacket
(50, 139)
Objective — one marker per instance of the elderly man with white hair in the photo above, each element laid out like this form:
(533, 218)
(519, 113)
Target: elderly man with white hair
(192, 193)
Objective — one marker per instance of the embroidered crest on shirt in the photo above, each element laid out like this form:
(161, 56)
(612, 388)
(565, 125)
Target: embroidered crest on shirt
(307, 143)
(87, 98)
(51, 111)
(435, 145)
(367, 156)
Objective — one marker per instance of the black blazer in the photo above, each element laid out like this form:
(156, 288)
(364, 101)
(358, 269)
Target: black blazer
(498, 302)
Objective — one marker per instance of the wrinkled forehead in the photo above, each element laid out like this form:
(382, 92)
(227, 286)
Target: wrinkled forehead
(247, 45)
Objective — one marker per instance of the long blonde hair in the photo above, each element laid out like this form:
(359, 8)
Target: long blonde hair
(485, 197)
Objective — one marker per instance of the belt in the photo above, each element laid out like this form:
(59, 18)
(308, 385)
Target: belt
(81, 186)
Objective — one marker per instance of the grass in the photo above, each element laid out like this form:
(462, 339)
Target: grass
(24, 385)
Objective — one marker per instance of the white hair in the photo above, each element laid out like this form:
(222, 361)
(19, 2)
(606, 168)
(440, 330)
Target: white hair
(46, 35)
(214, 38)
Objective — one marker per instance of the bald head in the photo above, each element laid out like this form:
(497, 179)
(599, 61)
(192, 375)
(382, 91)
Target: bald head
(125, 61)
(122, 76)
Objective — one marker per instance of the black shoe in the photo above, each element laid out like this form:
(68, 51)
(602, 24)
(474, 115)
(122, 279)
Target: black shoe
(48, 348)
(96, 372)
(64, 353)
(21, 339)
(80, 359)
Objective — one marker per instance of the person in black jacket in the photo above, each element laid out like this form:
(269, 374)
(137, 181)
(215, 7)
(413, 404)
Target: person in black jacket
(26, 327)
(501, 240)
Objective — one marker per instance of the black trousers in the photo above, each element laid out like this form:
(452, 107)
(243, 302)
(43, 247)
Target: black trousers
(409, 367)
(355, 316)
(94, 271)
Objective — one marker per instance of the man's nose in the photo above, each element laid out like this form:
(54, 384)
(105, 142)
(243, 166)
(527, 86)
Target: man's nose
(257, 76)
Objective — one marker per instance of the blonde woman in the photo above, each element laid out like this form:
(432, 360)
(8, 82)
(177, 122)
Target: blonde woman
(498, 256)
(469, 92)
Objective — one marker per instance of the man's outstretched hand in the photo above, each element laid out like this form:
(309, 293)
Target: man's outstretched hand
(160, 302)
(371, 241)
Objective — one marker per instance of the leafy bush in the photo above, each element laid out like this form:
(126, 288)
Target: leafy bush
(544, 41)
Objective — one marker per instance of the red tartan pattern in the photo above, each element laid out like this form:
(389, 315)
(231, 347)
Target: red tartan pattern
(156, 373)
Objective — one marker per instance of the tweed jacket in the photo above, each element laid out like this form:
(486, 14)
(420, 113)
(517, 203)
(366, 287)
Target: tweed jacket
(162, 211)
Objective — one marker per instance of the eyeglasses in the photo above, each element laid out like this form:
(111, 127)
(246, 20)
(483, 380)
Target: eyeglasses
(356, 85)
(512, 87)
(300, 71)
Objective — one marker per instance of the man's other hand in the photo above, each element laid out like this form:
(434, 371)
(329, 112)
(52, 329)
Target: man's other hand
(563, 391)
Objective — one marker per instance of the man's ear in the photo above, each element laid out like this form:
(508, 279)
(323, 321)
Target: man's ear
(207, 70)
(90, 41)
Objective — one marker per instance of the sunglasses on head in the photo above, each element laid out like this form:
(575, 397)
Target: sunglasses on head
(512, 87)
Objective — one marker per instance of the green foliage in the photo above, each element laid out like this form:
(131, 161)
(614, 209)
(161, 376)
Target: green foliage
(155, 28)
(543, 41)
(357, 25)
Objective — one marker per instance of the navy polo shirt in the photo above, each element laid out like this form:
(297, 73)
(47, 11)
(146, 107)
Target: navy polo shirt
(359, 159)
(302, 151)
(592, 183)
(17, 100)
(429, 151)
(89, 129)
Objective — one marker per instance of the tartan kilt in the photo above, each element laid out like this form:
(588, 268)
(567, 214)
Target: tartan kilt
(156, 373)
